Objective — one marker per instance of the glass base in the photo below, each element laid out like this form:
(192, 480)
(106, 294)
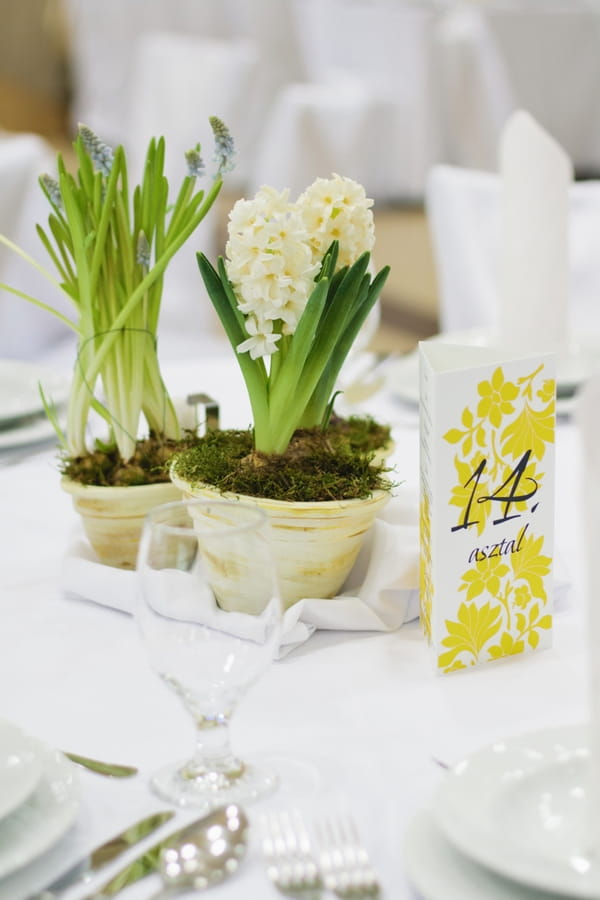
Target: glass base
(178, 785)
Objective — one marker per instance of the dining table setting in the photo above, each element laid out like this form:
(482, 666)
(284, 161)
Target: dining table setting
(350, 715)
(426, 725)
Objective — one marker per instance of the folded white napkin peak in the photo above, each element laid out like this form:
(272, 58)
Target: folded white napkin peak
(534, 268)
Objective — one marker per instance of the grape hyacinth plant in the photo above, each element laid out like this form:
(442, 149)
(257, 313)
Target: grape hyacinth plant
(110, 247)
(292, 294)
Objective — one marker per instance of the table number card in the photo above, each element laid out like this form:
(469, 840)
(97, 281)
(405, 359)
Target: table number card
(487, 503)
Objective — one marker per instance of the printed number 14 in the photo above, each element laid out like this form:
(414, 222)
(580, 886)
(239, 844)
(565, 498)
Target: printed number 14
(511, 486)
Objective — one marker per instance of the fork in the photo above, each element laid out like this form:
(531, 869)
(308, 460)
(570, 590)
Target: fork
(287, 851)
(344, 862)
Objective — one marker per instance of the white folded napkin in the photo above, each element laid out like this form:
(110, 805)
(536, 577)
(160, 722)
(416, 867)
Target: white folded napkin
(534, 269)
(380, 594)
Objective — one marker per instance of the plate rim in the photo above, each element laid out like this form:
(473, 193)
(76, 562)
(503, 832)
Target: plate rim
(28, 372)
(472, 337)
(39, 432)
(53, 806)
(31, 775)
(468, 836)
(422, 833)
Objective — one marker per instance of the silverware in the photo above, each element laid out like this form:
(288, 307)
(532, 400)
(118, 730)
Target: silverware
(23, 421)
(287, 851)
(206, 412)
(197, 837)
(204, 854)
(112, 770)
(344, 862)
(86, 867)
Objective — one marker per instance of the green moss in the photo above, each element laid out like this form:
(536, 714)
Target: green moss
(334, 464)
(363, 433)
(312, 468)
(105, 467)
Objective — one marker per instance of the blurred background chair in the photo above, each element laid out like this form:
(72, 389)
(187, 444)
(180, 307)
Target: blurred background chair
(365, 106)
(148, 67)
(475, 95)
(463, 210)
(173, 76)
(381, 90)
(538, 55)
(25, 331)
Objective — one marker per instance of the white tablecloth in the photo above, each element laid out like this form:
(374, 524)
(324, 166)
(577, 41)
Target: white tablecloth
(354, 719)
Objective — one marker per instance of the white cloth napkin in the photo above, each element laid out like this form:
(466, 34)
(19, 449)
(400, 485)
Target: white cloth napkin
(534, 269)
(380, 594)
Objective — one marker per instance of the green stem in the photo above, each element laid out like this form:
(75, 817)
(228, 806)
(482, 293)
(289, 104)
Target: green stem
(39, 303)
(157, 270)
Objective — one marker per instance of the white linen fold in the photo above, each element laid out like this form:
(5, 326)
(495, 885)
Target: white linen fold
(380, 594)
(536, 174)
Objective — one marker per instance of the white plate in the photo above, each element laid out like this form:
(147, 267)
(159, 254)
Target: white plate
(19, 389)
(44, 816)
(572, 370)
(20, 768)
(520, 807)
(38, 432)
(439, 872)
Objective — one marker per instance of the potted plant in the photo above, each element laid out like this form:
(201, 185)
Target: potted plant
(292, 294)
(110, 246)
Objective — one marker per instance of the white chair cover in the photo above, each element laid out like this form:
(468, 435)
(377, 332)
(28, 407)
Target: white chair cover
(463, 213)
(177, 82)
(475, 96)
(103, 39)
(551, 52)
(26, 332)
(112, 42)
(498, 56)
(365, 108)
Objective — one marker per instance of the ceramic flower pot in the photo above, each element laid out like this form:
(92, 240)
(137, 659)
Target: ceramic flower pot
(382, 454)
(112, 517)
(315, 544)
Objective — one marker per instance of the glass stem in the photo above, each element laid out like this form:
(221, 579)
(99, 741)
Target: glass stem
(213, 752)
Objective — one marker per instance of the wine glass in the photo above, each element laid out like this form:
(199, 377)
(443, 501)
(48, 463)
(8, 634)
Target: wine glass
(210, 614)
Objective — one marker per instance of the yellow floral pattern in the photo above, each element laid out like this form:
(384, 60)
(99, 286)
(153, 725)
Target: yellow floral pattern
(496, 398)
(512, 614)
(500, 445)
(425, 581)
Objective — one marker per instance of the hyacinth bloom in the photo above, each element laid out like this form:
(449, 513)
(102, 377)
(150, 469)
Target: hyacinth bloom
(110, 248)
(292, 294)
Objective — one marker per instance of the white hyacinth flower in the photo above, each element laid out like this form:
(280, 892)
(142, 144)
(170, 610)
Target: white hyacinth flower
(262, 340)
(338, 208)
(269, 263)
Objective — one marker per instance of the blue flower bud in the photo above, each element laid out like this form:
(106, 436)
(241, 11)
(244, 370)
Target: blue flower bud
(224, 147)
(194, 161)
(52, 189)
(142, 254)
(100, 153)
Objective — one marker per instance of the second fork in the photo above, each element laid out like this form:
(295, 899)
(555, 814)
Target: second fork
(344, 862)
(287, 851)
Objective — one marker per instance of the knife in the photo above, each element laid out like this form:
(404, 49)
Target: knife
(140, 867)
(91, 863)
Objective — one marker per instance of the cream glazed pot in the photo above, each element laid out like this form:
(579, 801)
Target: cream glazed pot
(315, 544)
(113, 517)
